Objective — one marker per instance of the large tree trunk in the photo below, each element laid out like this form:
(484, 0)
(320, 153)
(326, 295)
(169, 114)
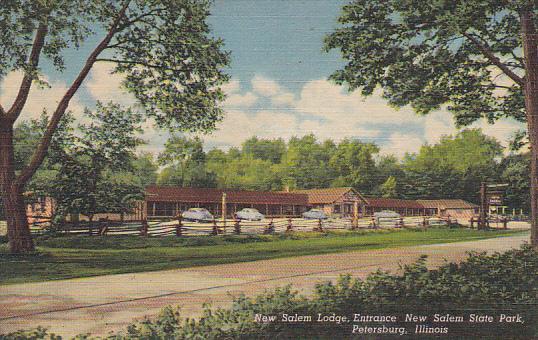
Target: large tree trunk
(530, 50)
(20, 240)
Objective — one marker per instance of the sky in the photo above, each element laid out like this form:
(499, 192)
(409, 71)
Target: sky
(278, 86)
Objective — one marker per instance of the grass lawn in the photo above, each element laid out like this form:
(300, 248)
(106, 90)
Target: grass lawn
(71, 257)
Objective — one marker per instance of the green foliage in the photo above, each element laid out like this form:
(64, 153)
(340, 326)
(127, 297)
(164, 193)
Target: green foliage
(94, 163)
(306, 162)
(265, 149)
(426, 54)
(388, 188)
(185, 162)
(452, 168)
(171, 62)
(144, 170)
(515, 171)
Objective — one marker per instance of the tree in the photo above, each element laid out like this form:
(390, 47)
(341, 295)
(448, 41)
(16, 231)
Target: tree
(144, 169)
(454, 167)
(306, 162)
(185, 162)
(514, 171)
(388, 188)
(164, 49)
(89, 180)
(479, 56)
(354, 164)
(265, 149)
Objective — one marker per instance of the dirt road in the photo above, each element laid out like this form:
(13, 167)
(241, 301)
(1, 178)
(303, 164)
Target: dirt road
(102, 304)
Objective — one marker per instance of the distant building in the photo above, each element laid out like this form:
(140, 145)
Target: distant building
(335, 201)
(401, 206)
(40, 209)
(456, 208)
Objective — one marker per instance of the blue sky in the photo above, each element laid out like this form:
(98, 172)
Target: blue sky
(279, 85)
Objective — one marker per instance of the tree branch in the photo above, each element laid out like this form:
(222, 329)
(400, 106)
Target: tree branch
(33, 60)
(130, 62)
(494, 59)
(41, 151)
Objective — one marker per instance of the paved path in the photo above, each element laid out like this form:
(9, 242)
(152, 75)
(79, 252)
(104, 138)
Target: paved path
(101, 304)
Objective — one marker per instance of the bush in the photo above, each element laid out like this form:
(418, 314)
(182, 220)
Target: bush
(482, 284)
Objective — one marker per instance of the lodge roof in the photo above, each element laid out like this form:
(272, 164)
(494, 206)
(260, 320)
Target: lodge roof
(328, 195)
(396, 203)
(213, 195)
(447, 204)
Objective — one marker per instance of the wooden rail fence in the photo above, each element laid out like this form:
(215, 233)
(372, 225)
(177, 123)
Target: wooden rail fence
(167, 226)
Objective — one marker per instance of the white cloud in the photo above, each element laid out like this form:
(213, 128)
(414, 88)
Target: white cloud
(265, 86)
(105, 86)
(399, 143)
(39, 98)
(283, 99)
(232, 86)
(502, 130)
(436, 125)
(328, 111)
(238, 100)
(326, 100)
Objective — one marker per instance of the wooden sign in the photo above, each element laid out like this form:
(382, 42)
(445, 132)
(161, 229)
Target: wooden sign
(494, 199)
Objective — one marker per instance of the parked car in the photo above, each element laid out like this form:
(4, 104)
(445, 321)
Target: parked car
(198, 215)
(386, 214)
(315, 214)
(249, 214)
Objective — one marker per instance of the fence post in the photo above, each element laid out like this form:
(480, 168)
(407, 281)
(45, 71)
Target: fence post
(505, 223)
(472, 222)
(179, 227)
(320, 226)
(103, 229)
(424, 222)
(270, 228)
(400, 223)
(237, 226)
(215, 228)
(289, 227)
(144, 228)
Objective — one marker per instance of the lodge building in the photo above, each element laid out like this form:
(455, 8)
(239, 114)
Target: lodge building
(168, 201)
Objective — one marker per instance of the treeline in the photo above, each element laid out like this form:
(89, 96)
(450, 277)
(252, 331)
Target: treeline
(94, 167)
(452, 168)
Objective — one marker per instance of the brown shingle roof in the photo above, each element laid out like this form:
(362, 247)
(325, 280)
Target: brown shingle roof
(212, 195)
(327, 195)
(378, 202)
(447, 204)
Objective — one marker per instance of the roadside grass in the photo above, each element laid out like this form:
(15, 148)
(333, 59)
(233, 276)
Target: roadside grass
(71, 256)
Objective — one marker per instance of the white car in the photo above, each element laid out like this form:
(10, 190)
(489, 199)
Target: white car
(314, 214)
(386, 214)
(198, 215)
(249, 214)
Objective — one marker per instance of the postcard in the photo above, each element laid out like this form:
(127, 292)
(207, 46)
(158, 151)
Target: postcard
(254, 169)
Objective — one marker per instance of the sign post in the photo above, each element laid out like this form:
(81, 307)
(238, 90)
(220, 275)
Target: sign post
(490, 195)
(483, 207)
